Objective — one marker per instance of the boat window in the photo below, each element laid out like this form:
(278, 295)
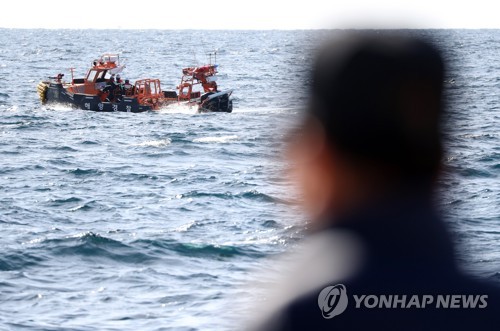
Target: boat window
(102, 74)
(153, 88)
(92, 75)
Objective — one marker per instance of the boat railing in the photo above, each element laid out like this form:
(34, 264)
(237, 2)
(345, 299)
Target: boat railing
(148, 91)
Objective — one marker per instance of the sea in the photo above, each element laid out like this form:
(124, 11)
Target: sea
(161, 220)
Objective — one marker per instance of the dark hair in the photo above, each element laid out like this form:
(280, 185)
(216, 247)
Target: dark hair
(379, 97)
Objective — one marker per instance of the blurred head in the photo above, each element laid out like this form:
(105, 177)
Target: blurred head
(372, 126)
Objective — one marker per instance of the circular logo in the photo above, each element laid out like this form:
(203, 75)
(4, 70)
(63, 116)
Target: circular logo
(332, 300)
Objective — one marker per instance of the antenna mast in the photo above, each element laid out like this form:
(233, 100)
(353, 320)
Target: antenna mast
(214, 53)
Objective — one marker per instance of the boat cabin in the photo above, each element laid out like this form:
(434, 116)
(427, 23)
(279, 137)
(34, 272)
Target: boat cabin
(98, 75)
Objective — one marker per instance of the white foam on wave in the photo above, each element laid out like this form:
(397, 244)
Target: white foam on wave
(185, 227)
(221, 139)
(154, 143)
(179, 108)
(76, 208)
(8, 108)
(266, 110)
(58, 107)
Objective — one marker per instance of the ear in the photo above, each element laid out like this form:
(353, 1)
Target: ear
(328, 175)
(316, 171)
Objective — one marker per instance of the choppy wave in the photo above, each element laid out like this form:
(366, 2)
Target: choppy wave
(95, 248)
(80, 172)
(202, 250)
(251, 195)
(19, 260)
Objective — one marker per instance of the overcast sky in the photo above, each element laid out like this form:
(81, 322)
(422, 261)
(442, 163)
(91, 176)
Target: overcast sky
(251, 14)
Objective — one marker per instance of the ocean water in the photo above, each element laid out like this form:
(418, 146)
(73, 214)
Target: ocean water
(157, 221)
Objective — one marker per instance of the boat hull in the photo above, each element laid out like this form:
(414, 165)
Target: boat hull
(217, 102)
(55, 93)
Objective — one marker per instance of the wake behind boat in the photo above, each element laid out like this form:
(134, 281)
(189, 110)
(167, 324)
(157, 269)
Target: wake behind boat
(103, 90)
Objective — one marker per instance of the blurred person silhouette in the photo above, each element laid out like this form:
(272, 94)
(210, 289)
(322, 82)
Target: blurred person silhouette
(366, 159)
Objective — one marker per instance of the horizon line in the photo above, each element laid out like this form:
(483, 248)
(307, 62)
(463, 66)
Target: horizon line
(254, 29)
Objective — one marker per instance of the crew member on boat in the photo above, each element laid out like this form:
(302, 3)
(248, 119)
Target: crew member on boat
(128, 89)
(112, 90)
